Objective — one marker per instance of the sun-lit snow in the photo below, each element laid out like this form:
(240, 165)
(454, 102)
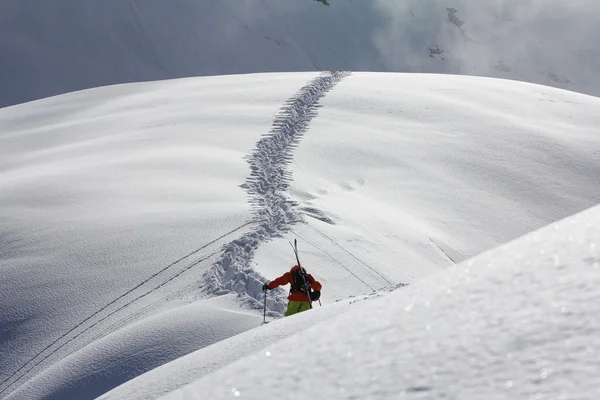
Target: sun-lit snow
(122, 208)
(139, 221)
(184, 370)
(519, 322)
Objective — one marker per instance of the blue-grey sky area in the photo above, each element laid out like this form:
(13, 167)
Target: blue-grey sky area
(523, 36)
(49, 47)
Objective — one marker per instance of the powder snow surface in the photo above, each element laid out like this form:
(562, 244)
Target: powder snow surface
(139, 221)
(518, 322)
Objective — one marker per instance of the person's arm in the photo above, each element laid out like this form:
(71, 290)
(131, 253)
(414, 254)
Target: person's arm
(282, 280)
(314, 284)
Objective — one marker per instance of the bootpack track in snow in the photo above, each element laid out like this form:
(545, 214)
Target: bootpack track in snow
(274, 213)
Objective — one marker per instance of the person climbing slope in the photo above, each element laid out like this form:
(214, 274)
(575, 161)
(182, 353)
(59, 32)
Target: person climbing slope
(303, 291)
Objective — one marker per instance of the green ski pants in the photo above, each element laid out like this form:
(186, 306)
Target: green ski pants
(295, 307)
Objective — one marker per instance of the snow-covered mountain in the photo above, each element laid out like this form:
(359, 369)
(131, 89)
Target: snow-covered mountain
(140, 217)
(139, 221)
(49, 47)
(519, 322)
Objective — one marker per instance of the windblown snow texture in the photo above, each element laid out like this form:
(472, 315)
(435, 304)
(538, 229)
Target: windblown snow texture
(462, 162)
(103, 317)
(267, 187)
(519, 322)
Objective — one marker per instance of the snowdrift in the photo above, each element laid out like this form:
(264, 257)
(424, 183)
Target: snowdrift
(58, 46)
(518, 322)
(138, 347)
(184, 370)
(129, 207)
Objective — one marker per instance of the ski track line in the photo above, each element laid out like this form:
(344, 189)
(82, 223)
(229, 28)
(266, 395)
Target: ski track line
(334, 259)
(22, 372)
(267, 185)
(373, 270)
(132, 316)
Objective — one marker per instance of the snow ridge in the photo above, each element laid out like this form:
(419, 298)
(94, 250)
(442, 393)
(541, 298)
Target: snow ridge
(79, 329)
(266, 187)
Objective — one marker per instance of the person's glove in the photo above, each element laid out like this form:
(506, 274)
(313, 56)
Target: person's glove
(266, 287)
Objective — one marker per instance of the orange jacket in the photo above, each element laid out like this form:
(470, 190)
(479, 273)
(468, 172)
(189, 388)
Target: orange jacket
(287, 279)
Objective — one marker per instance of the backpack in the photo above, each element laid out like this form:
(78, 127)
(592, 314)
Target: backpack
(300, 281)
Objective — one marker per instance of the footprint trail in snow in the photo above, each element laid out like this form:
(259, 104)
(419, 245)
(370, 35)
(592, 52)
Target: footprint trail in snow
(274, 212)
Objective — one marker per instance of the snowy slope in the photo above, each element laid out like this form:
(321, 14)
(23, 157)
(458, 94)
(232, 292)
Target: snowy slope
(518, 322)
(126, 210)
(137, 346)
(49, 47)
(103, 193)
(171, 376)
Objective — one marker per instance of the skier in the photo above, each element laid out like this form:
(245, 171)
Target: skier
(303, 291)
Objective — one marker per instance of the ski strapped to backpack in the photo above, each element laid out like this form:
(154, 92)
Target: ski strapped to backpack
(300, 281)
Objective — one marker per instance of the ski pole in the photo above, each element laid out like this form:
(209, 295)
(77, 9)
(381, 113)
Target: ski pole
(265, 309)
